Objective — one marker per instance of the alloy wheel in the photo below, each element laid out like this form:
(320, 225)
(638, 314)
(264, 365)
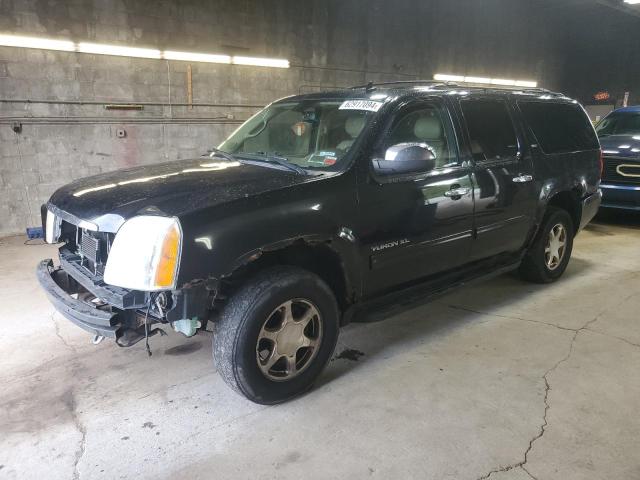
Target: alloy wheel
(289, 340)
(556, 245)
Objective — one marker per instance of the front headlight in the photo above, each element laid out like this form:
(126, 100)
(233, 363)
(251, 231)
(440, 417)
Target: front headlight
(51, 227)
(145, 254)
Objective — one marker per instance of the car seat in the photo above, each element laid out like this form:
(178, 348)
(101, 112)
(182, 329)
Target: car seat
(428, 129)
(353, 126)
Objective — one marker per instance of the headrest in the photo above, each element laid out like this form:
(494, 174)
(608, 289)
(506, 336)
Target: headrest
(428, 128)
(353, 126)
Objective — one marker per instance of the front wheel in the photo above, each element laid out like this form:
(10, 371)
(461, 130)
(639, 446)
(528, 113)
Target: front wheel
(276, 334)
(549, 255)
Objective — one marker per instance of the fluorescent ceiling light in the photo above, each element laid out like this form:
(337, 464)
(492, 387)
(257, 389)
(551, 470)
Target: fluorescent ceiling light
(135, 52)
(260, 62)
(487, 81)
(502, 81)
(101, 49)
(448, 78)
(196, 57)
(477, 80)
(33, 42)
(632, 2)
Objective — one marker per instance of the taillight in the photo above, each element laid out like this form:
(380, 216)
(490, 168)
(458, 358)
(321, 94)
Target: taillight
(601, 160)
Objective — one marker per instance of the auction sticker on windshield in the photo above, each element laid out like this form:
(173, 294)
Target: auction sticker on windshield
(367, 105)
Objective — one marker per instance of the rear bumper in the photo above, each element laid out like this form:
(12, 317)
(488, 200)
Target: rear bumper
(626, 197)
(59, 286)
(590, 206)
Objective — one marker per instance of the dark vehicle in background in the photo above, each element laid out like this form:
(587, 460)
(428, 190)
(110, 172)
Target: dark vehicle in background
(619, 134)
(319, 209)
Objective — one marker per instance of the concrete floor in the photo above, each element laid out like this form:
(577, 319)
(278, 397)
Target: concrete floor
(505, 380)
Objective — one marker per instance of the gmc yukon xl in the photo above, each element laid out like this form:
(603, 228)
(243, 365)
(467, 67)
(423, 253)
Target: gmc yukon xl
(319, 209)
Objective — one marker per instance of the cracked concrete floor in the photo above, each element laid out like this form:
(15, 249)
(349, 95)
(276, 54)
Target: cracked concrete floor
(503, 380)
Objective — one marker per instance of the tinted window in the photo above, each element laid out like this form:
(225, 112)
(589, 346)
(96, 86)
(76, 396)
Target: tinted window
(490, 129)
(426, 124)
(559, 127)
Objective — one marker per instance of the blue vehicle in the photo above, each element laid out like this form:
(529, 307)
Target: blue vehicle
(619, 134)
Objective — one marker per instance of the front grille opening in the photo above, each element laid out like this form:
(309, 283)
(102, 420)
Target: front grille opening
(93, 249)
(90, 248)
(611, 172)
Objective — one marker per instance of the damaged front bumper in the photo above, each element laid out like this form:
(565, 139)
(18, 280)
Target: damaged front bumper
(60, 287)
(108, 311)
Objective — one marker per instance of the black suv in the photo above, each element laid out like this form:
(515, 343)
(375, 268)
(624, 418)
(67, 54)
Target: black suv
(321, 208)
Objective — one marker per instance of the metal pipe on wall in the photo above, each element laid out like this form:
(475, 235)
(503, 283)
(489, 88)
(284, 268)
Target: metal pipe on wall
(118, 120)
(107, 102)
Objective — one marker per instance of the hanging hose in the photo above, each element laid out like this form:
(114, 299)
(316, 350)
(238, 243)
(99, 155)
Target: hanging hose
(146, 325)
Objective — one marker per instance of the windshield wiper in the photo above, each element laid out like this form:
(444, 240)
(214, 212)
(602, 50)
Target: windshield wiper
(275, 159)
(213, 151)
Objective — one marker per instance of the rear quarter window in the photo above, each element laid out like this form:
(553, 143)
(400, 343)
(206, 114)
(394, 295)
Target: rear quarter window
(559, 127)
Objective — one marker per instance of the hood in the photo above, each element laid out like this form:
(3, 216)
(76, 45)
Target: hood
(173, 188)
(621, 145)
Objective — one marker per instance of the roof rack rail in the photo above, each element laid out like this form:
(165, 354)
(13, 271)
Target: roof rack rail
(371, 85)
(512, 87)
(435, 83)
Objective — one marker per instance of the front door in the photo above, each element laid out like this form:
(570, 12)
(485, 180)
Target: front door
(505, 198)
(414, 227)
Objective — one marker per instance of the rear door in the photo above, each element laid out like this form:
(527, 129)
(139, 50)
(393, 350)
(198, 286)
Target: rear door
(418, 225)
(504, 187)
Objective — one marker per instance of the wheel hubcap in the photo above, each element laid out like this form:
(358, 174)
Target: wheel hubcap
(556, 243)
(289, 340)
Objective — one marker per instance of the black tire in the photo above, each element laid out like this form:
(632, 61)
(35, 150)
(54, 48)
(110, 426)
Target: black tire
(534, 265)
(237, 330)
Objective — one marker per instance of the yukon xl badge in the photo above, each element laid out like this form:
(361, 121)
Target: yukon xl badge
(388, 245)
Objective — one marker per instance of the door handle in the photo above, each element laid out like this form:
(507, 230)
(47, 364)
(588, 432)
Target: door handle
(522, 179)
(456, 193)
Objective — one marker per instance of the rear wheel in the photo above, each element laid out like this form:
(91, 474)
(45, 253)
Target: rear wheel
(276, 334)
(549, 255)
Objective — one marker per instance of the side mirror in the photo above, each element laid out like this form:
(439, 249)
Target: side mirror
(406, 158)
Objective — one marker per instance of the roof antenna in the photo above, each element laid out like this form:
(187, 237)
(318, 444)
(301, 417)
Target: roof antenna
(369, 87)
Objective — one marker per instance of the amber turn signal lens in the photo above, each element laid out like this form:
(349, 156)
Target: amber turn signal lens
(166, 270)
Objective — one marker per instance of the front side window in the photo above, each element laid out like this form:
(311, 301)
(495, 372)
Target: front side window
(619, 123)
(490, 129)
(311, 134)
(559, 127)
(426, 124)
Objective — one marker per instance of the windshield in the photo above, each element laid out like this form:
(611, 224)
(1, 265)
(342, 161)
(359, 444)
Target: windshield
(619, 124)
(311, 134)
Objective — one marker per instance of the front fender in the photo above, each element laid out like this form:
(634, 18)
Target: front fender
(218, 241)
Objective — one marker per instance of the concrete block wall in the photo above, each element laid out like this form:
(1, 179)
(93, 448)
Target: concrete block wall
(330, 43)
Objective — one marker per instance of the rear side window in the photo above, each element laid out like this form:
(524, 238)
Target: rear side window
(490, 130)
(559, 127)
